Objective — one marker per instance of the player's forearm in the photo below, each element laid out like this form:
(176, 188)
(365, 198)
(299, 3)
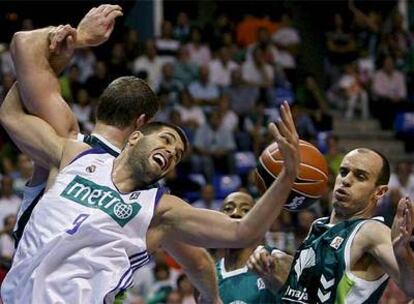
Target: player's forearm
(203, 276)
(255, 224)
(406, 266)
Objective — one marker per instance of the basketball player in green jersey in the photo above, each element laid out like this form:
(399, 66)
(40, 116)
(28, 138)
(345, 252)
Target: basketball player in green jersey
(39, 55)
(236, 283)
(348, 257)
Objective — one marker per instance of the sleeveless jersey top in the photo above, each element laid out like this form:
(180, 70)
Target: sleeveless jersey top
(321, 270)
(84, 239)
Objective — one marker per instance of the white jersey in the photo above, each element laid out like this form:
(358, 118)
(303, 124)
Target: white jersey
(84, 239)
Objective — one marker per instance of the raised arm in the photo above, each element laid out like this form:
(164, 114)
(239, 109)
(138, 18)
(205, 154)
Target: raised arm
(212, 229)
(392, 249)
(31, 134)
(41, 54)
(198, 266)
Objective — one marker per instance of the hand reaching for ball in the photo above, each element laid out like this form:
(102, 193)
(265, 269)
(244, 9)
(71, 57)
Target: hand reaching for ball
(287, 139)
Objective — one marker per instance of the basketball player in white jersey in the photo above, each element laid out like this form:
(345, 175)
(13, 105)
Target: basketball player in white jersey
(126, 104)
(90, 231)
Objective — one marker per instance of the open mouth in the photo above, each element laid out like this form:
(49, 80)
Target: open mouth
(341, 194)
(160, 160)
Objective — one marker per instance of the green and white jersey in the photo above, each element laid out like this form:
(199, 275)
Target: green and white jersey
(84, 239)
(321, 270)
(241, 286)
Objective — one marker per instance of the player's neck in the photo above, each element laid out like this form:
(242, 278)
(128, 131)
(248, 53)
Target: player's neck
(114, 135)
(122, 176)
(337, 217)
(236, 258)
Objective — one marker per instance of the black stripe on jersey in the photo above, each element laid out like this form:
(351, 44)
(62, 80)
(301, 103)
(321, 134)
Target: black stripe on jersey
(21, 224)
(95, 142)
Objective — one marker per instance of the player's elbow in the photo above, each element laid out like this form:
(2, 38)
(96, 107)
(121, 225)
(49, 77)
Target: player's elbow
(246, 236)
(16, 43)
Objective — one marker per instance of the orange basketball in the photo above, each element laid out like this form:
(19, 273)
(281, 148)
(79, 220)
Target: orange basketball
(312, 180)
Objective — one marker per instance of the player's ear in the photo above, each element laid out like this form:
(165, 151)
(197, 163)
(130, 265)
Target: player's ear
(140, 121)
(380, 192)
(134, 137)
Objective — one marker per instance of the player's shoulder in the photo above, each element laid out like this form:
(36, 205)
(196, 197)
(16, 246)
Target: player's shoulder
(372, 232)
(71, 150)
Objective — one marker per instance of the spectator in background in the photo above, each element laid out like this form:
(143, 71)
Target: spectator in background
(265, 44)
(166, 106)
(213, 148)
(333, 156)
(221, 68)
(242, 96)
(118, 64)
(167, 46)
(286, 36)
(199, 52)
(23, 174)
(341, 47)
(305, 219)
(133, 46)
(204, 92)
(312, 97)
(169, 84)
(208, 199)
(97, 83)
(151, 63)
(6, 62)
(7, 241)
(389, 92)
(184, 70)
(353, 92)
(402, 180)
(257, 72)
(230, 120)
(9, 202)
(85, 59)
(181, 30)
(83, 110)
(162, 285)
(174, 297)
(185, 289)
(192, 116)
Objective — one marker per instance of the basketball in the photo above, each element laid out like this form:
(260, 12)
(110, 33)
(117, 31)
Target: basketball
(312, 180)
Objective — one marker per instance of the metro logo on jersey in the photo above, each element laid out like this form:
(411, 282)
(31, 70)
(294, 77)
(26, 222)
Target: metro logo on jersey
(89, 194)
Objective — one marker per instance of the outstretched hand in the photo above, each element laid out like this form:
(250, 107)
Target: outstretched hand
(97, 25)
(287, 139)
(402, 228)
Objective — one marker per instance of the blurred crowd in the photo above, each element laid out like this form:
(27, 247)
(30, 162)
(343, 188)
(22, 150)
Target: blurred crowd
(222, 84)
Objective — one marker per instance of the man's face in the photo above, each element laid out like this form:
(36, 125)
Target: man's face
(355, 185)
(155, 154)
(236, 205)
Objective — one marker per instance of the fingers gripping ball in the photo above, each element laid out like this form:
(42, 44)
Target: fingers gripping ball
(312, 180)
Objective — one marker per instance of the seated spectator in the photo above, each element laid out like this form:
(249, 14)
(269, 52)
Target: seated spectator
(265, 44)
(6, 84)
(9, 202)
(237, 54)
(185, 289)
(242, 96)
(312, 97)
(185, 71)
(353, 92)
(166, 106)
(204, 92)
(69, 83)
(7, 241)
(213, 147)
(208, 199)
(133, 46)
(402, 180)
(97, 83)
(118, 64)
(199, 52)
(181, 30)
(333, 156)
(167, 46)
(304, 124)
(286, 36)
(174, 297)
(230, 120)
(221, 68)
(6, 62)
(162, 286)
(257, 72)
(151, 63)
(169, 84)
(389, 92)
(192, 116)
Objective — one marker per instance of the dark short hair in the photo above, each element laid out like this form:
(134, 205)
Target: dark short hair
(384, 174)
(155, 126)
(124, 100)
